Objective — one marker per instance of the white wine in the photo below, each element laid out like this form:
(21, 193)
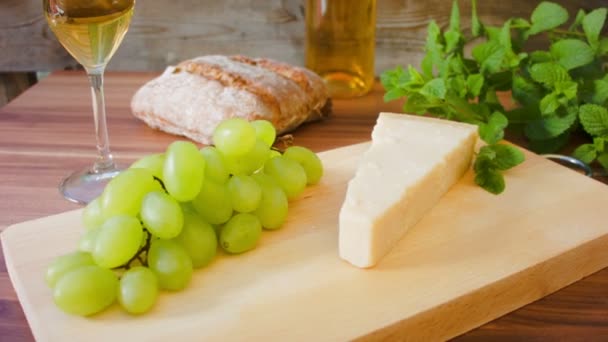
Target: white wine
(340, 44)
(91, 30)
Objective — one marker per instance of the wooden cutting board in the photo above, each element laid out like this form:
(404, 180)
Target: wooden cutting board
(472, 259)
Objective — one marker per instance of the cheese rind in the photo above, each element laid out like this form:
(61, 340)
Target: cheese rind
(412, 162)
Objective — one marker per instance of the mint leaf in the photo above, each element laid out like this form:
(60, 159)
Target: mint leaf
(549, 104)
(455, 17)
(492, 181)
(476, 25)
(504, 38)
(600, 143)
(452, 40)
(603, 160)
(394, 94)
(586, 153)
(600, 91)
(434, 88)
(493, 131)
(526, 92)
(572, 53)
(418, 104)
(394, 78)
(507, 156)
(592, 25)
(549, 126)
(603, 49)
(594, 119)
(580, 15)
(546, 16)
(489, 55)
(541, 56)
(549, 73)
(568, 89)
(474, 84)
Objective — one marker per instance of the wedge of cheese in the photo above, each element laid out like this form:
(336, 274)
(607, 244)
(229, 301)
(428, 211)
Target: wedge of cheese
(411, 163)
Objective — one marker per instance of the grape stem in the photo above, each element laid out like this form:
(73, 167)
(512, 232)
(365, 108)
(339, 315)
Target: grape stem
(161, 183)
(138, 255)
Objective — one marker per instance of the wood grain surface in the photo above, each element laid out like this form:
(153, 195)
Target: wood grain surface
(47, 132)
(471, 259)
(164, 32)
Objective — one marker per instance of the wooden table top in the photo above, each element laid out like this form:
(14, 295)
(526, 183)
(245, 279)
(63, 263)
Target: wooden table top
(48, 132)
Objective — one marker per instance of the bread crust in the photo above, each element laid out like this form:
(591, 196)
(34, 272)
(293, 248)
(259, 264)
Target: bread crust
(192, 98)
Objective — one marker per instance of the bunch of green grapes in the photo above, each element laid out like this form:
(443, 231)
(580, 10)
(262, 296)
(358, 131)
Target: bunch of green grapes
(166, 215)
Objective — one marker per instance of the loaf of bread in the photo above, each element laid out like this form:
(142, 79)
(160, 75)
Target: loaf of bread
(192, 98)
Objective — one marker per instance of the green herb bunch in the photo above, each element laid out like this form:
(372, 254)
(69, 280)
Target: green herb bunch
(557, 91)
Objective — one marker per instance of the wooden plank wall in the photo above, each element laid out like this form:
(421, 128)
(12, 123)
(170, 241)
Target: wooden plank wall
(164, 32)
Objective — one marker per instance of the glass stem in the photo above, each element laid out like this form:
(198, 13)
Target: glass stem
(104, 159)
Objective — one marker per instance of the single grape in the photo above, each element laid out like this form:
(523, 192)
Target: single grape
(66, 263)
(215, 164)
(249, 162)
(118, 241)
(138, 290)
(87, 241)
(183, 171)
(274, 153)
(124, 193)
(234, 137)
(309, 160)
(162, 215)
(198, 239)
(213, 202)
(86, 290)
(92, 216)
(171, 264)
(154, 163)
(290, 175)
(265, 131)
(273, 207)
(241, 233)
(245, 193)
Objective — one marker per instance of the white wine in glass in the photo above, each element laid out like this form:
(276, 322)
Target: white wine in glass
(91, 31)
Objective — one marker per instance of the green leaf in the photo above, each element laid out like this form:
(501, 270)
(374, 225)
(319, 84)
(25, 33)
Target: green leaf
(541, 56)
(526, 92)
(580, 15)
(493, 131)
(455, 17)
(603, 49)
(600, 143)
(476, 25)
(547, 16)
(603, 160)
(452, 40)
(568, 89)
(594, 119)
(394, 78)
(434, 88)
(592, 25)
(427, 66)
(490, 55)
(550, 126)
(507, 156)
(458, 85)
(474, 84)
(490, 180)
(394, 94)
(572, 53)
(549, 73)
(504, 37)
(586, 153)
(549, 104)
(434, 46)
(600, 91)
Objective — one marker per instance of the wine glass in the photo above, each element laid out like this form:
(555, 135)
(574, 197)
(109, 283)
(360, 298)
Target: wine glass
(91, 31)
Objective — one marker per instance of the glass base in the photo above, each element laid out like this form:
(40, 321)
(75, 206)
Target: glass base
(85, 185)
(344, 85)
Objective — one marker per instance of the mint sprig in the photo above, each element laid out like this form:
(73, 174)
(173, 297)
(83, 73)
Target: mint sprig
(558, 91)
